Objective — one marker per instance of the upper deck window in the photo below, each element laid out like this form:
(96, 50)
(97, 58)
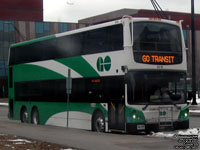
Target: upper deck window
(158, 37)
(100, 40)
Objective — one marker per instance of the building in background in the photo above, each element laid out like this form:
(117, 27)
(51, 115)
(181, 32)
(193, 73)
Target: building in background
(13, 30)
(18, 24)
(26, 10)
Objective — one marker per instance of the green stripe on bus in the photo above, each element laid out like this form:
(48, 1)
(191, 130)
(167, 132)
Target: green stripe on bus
(80, 65)
(33, 41)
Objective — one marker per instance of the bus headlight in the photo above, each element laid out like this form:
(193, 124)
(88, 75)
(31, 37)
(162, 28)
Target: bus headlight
(134, 114)
(186, 114)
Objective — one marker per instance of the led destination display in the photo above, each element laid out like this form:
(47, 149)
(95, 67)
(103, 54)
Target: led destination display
(158, 58)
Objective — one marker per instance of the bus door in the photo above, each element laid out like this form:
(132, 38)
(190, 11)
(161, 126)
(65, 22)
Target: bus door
(116, 115)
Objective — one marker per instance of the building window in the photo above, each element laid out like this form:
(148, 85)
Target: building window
(42, 29)
(62, 27)
(7, 37)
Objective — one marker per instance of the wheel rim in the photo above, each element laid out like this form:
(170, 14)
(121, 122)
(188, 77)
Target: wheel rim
(99, 125)
(25, 116)
(35, 118)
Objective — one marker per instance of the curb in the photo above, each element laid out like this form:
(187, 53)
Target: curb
(3, 104)
(193, 114)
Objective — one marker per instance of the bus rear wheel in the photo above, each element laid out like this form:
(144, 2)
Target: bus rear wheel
(35, 119)
(24, 115)
(98, 123)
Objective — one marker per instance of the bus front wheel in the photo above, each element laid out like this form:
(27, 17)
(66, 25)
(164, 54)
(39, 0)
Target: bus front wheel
(24, 115)
(98, 123)
(35, 119)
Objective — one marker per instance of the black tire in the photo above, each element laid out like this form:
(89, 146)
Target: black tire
(24, 115)
(35, 117)
(98, 122)
(182, 125)
(185, 125)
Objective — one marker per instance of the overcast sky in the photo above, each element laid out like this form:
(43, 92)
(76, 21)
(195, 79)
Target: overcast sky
(74, 10)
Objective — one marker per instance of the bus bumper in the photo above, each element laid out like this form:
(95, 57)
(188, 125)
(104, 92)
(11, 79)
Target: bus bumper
(134, 128)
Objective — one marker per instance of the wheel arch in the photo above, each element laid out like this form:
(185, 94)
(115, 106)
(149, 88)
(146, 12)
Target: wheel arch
(23, 108)
(34, 109)
(96, 111)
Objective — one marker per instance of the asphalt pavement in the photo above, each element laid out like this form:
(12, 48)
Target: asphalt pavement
(82, 139)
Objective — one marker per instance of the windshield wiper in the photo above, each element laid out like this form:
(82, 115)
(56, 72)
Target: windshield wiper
(175, 105)
(169, 102)
(145, 107)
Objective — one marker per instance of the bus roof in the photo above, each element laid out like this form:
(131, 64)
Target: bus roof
(65, 33)
(33, 41)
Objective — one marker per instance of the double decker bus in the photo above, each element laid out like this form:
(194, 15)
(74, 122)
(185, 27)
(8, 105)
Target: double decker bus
(127, 75)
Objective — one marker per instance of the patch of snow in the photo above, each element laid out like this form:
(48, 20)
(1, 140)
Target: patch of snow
(20, 140)
(194, 131)
(3, 104)
(68, 149)
(197, 99)
(162, 134)
(195, 111)
(20, 143)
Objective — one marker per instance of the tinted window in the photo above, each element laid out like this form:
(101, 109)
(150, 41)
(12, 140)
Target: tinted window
(94, 41)
(83, 90)
(33, 52)
(150, 36)
(151, 87)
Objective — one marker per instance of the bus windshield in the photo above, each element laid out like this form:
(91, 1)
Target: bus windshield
(158, 37)
(146, 87)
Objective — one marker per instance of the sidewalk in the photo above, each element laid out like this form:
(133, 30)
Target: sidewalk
(3, 101)
(195, 110)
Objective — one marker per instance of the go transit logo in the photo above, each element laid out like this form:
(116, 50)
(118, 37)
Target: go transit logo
(103, 64)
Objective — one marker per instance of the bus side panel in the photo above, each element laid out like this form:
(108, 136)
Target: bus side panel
(80, 115)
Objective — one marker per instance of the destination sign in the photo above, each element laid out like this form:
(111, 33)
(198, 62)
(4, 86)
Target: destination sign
(158, 58)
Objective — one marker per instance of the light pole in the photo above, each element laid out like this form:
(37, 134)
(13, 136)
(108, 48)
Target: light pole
(193, 55)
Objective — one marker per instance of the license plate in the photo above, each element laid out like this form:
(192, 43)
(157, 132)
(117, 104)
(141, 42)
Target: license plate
(140, 127)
